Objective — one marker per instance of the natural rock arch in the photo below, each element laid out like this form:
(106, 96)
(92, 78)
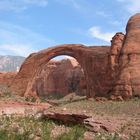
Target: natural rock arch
(93, 60)
(36, 61)
(73, 50)
(50, 54)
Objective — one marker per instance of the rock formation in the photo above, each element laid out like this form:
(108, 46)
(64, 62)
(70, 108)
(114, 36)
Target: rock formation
(128, 82)
(93, 60)
(109, 71)
(90, 123)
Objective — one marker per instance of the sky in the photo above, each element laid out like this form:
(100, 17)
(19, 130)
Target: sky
(27, 26)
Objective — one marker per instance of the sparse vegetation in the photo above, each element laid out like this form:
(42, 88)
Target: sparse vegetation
(106, 136)
(31, 99)
(124, 113)
(116, 108)
(29, 128)
(75, 133)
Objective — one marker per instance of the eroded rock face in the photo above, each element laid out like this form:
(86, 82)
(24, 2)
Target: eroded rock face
(110, 71)
(128, 83)
(115, 51)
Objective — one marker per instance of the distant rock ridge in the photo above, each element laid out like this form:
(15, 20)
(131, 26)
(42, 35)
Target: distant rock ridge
(10, 63)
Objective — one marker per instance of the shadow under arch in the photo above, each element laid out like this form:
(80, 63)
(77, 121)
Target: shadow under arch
(76, 51)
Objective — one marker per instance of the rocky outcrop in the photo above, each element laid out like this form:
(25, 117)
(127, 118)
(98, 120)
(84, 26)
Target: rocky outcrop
(67, 118)
(128, 82)
(110, 71)
(115, 51)
(90, 123)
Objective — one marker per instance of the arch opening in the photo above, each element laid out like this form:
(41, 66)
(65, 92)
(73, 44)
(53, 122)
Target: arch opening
(77, 51)
(60, 76)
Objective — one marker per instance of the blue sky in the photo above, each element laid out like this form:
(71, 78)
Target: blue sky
(27, 26)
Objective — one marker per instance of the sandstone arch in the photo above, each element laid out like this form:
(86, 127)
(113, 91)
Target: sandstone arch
(93, 60)
(72, 50)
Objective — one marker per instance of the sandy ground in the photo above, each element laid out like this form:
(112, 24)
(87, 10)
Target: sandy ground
(123, 116)
(18, 108)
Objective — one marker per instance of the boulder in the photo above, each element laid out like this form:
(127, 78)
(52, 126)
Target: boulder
(89, 122)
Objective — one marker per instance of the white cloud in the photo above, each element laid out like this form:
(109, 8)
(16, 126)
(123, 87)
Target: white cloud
(96, 32)
(17, 40)
(20, 5)
(132, 6)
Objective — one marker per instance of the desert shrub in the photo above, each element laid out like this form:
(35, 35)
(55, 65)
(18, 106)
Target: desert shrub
(3, 135)
(75, 133)
(30, 99)
(43, 99)
(107, 136)
(46, 130)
